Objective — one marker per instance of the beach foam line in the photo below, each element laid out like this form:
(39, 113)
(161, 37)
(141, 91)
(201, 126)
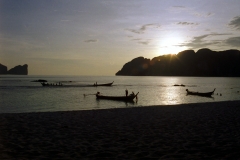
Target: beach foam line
(187, 131)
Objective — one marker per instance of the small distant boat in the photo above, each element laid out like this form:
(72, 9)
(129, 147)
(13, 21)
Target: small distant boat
(204, 94)
(105, 84)
(39, 80)
(118, 98)
(182, 85)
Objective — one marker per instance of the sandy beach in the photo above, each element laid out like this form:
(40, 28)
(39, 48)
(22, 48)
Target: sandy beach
(188, 131)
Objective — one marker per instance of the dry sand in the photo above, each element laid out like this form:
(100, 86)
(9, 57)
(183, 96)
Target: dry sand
(193, 131)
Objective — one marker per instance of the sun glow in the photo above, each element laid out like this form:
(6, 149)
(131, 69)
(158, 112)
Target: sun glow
(170, 45)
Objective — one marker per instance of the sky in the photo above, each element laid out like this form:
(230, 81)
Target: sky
(97, 37)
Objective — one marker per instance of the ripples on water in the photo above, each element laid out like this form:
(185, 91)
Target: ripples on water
(19, 94)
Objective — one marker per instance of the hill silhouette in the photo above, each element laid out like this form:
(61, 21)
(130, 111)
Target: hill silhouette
(204, 62)
(17, 70)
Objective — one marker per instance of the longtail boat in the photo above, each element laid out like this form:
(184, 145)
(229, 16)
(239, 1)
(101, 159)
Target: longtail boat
(105, 84)
(119, 98)
(204, 94)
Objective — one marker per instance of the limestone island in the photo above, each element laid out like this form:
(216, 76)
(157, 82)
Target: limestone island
(17, 70)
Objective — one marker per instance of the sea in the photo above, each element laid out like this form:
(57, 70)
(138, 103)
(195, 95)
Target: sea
(18, 94)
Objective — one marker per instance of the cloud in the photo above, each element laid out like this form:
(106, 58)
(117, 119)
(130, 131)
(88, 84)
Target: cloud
(209, 14)
(137, 39)
(187, 23)
(191, 11)
(141, 41)
(144, 42)
(91, 41)
(202, 14)
(177, 9)
(235, 23)
(143, 28)
(233, 41)
(134, 31)
(200, 42)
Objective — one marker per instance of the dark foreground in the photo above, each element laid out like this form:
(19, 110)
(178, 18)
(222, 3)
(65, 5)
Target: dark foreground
(193, 131)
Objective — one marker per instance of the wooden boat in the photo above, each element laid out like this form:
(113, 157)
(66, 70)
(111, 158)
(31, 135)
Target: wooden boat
(182, 85)
(204, 94)
(106, 84)
(39, 80)
(118, 98)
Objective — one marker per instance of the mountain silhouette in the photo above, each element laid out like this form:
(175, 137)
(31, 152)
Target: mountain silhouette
(17, 70)
(204, 62)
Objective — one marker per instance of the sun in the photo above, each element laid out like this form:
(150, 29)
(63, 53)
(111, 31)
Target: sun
(170, 45)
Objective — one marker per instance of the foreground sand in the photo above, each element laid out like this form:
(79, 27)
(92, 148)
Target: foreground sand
(194, 131)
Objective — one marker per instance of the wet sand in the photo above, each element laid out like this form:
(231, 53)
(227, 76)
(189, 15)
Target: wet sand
(188, 131)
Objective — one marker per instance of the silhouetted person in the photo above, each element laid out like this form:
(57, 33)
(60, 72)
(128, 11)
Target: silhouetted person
(126, 91)
(132, 94)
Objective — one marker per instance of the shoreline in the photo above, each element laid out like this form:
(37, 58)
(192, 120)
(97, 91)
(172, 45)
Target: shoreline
(184, 131)
(233, 102)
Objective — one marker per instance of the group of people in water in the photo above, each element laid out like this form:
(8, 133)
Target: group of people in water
(52, 84)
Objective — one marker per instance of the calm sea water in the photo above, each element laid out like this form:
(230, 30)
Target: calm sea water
(18, 94)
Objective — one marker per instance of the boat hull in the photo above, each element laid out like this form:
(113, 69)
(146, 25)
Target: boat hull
(203, 94)
(106, 84)
(117, 98)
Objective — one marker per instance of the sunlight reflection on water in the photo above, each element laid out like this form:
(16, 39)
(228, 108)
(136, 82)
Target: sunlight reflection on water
(21, 95)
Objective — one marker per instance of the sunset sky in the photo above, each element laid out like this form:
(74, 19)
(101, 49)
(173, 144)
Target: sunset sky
(97, 37)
